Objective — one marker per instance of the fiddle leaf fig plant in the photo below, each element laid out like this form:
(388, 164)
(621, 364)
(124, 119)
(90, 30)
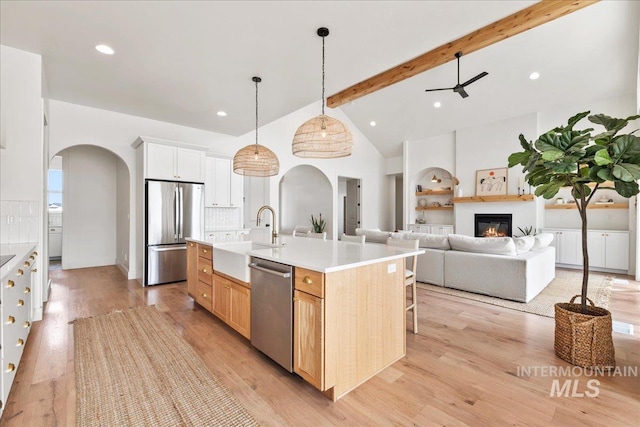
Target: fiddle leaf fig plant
(567, 157)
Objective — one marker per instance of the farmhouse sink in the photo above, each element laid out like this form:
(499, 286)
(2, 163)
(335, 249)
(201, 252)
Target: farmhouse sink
(232, 259)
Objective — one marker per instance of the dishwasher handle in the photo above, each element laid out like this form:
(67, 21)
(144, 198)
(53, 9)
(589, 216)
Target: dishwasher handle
(267, 270)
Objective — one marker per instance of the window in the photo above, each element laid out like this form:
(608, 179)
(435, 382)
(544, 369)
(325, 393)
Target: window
(55, 188)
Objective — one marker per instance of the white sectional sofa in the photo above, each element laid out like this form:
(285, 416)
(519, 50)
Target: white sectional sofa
(516, 269)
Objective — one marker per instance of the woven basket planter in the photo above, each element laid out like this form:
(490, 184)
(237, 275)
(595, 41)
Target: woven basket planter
(584, 339)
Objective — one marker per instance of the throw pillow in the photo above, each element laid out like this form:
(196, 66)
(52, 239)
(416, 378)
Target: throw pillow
(484, 245)
(542, 240)
(524, 243)
(431, 241)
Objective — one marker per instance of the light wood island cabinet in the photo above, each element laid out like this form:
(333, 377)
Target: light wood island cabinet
(348, 325)
(225, 297)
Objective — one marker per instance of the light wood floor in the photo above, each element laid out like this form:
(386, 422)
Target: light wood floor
(461, 369)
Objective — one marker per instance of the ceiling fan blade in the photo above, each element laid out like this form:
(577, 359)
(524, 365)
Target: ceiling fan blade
(478, 77)
(460, 90)
(442, 88)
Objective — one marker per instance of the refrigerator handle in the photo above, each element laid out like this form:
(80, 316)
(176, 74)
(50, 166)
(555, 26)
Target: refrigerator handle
(175, 213)
(181, 229)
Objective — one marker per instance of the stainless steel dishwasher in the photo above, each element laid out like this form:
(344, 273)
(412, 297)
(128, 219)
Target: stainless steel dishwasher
(272, 310)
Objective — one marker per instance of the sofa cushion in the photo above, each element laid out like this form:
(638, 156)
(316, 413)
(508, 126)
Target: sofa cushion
(484, 245)
(373, 236)
(524, 243)
(431, 241)
(542, 240)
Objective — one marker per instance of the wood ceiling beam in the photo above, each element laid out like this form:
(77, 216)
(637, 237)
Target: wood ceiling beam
(519, 22)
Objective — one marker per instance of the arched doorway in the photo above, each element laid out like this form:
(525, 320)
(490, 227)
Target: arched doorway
(304, 191)
(95, 226)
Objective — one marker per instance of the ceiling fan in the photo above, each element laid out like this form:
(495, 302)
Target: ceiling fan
(459, 88)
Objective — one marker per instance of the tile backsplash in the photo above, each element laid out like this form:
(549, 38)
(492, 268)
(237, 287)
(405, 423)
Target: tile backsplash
(222, 219)
(19, 221)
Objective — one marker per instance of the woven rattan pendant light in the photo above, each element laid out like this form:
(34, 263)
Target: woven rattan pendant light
(322, 137)
(256, 159)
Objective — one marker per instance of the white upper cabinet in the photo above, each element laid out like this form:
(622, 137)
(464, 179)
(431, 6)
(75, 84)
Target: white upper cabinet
(222, 188)
(174, 163)
(237, 190)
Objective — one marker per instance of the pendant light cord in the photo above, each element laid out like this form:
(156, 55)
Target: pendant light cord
(256, 116)
(323, 75)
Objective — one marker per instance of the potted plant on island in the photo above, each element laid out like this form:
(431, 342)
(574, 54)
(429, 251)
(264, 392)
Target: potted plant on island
(318, 224)
(566, 157)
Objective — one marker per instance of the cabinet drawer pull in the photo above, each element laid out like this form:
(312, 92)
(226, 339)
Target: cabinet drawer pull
(204, 270)
(32, 258)
(204, 251)
(11, 367)
(35, 270)
(20, 272)
(27, 324)
(227, 286)
(35, 253)
(27, 290)
(11, 320)
(10, 284)
(204, 295)
(27, 264)
(307, 280)
(20, 342)
(20, 303)
(191, 245)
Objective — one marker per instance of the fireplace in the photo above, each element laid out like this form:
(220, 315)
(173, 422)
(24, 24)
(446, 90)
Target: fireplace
(492, 225)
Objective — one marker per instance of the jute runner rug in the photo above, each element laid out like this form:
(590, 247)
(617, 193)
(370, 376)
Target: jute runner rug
(133, 369)
(561, 289)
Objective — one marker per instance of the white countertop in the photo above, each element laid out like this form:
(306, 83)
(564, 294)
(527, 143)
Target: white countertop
(330, 255)
(17, 249)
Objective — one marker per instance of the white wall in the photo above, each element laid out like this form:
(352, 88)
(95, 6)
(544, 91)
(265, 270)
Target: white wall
(72, 125)
(90, 205)
(122, 214)
(304, 191)
(488, 147)
(366, 163)
(22, 162)
(421, 154)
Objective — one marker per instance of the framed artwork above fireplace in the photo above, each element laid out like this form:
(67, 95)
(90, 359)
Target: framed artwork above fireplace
(491, 182)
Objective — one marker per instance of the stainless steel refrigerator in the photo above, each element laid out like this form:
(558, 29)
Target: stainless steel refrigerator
(173, 212)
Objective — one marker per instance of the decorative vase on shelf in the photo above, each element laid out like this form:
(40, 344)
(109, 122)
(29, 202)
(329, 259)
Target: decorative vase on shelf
(459, 194)
(422, 203)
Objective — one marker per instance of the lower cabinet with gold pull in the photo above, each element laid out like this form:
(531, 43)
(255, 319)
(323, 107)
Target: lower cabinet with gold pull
(16, 310)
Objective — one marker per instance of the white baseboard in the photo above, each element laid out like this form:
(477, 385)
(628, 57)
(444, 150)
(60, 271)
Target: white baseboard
(124, 270)
(86, 263)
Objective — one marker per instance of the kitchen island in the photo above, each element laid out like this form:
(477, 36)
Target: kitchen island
(348, 308)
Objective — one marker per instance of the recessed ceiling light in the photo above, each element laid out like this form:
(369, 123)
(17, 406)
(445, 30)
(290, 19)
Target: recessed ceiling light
(222, 113)
(372, 123)
(103, 48)
(534, 75)
(437, 104)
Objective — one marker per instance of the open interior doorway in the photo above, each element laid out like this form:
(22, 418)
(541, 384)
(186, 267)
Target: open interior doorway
(55, 207)
(349, 212)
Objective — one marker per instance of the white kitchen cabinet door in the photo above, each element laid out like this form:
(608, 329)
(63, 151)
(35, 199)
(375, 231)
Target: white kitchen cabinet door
(189, 165)
(221, 182)
(161, 162)
(55, 242)
(617, 250)
(209, 171)
(237, 190)
(446, 230)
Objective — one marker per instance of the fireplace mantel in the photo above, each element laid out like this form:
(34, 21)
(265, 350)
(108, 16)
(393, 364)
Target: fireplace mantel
(488, 199)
